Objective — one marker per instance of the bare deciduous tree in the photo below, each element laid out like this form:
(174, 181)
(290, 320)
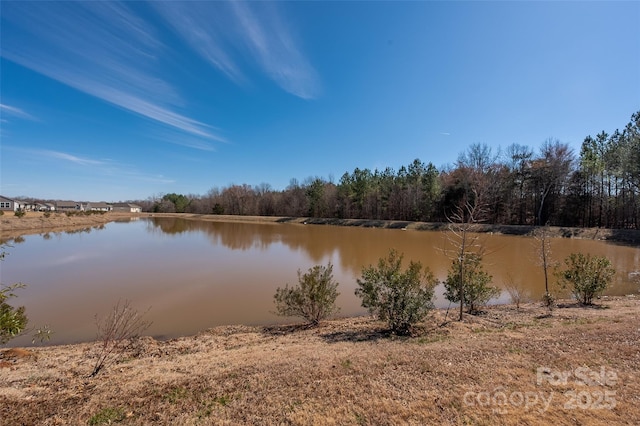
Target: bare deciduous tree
(542, 245)
(550, 172)
(462, 224)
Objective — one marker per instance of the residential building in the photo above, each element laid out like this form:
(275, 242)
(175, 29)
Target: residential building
(126, 207)
(97, 207)
(7, 204)
(65, 206)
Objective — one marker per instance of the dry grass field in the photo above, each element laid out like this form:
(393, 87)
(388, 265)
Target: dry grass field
(578, 366)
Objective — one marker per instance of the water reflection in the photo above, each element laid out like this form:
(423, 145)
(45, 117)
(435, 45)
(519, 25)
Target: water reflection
(196, 274)
(508, 258)
(233, 235)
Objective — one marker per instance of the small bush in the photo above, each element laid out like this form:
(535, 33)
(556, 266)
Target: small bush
(13, 321)
(549, 300)
(401, 298)
(47, 214)
(586, 276)
(475, 283)
(313, 299)
(20, 213)
(518, 293)
(42, 334)
(116, 333)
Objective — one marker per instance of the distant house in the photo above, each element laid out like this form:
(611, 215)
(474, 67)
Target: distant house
(7, 204)
(65, 206)
(97, 207)
(28, 206)
(126, 207)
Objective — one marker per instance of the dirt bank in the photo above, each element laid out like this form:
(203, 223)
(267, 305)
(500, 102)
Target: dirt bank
(12, 226)
(36, 223)
(580, 366)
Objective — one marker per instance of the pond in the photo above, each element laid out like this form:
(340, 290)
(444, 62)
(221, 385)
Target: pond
(192, 275)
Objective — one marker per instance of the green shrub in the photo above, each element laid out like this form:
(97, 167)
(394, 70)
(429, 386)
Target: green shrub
(586, 276)
(400, 298)
(475, 282)
(13, 321)
(217, 209)
(313, 299)
(20, 213)
(549, 300)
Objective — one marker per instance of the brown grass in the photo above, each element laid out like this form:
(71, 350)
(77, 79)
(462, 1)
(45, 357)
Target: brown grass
(347, 372)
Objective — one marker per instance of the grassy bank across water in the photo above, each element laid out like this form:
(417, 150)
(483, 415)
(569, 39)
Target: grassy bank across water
(36, 223)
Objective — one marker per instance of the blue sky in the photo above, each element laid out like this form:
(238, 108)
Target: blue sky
(110, 101)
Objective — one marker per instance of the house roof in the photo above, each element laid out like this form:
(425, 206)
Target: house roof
(125, 205)
(98, 205)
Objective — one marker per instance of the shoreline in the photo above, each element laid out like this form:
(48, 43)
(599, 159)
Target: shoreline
(36, 223)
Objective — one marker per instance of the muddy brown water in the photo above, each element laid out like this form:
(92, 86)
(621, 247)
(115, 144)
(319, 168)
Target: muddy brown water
(192, 275)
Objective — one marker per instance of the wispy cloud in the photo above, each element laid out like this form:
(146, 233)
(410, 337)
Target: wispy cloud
(445, 133)
(184, 140)
(200, 24)
(104, 167)
(225, 34)
(100, 48)
(271, 42)
(68, 157)
(15, 112)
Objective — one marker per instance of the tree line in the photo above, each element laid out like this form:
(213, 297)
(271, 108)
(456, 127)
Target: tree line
(551, 185)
